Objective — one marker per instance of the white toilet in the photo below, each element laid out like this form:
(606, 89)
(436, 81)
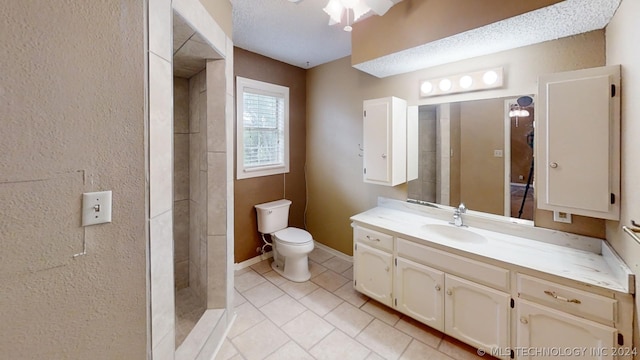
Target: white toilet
(291, 245)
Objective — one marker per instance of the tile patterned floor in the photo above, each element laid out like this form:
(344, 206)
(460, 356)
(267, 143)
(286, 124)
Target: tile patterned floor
(325, 319)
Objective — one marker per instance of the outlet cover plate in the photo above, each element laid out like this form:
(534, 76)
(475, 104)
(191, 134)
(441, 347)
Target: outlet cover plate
(563, 217)
(96, 208)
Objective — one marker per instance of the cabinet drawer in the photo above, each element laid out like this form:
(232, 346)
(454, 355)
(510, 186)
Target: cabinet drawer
(373, 238)
(573, 301)
(479, 272)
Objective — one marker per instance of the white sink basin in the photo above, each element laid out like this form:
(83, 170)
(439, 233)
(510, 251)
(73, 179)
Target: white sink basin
(451, 232)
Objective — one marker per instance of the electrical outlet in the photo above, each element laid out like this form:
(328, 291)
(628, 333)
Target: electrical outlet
(497, 153)
(563, 217)
(96, 208)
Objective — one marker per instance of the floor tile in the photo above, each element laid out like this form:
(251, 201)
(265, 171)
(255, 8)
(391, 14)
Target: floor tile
(247, 316)
(290, 351)
(348, 273)
(419, 331)
(349, 319)
(282, 309)
(338, 345)
(274, 278)
(247, 280)
(336, 264)
(259, 341)
(384, 339)
(459, 350)
(374, 356)
(381, 312)
(316, 269)
(420, 351)
(349, 294)
(262, 267)
(298, 290)
(238, 299)
(262, 294)
(318, 255)
(330, 280)
(307, 329)
(227, 351)
(321, 301)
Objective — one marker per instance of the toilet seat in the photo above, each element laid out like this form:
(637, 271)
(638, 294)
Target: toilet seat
(293, 236)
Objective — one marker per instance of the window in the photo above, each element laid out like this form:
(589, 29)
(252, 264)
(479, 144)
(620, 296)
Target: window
(263, 128)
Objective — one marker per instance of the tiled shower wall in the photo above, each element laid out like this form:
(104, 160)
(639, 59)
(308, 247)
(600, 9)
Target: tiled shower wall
(424, 187)
(197, 160)
(181, 181)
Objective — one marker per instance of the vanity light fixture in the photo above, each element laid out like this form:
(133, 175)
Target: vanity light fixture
(472, 81)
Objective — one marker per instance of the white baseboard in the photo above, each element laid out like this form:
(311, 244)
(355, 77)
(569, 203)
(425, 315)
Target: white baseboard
(252, 261)
(333, 252)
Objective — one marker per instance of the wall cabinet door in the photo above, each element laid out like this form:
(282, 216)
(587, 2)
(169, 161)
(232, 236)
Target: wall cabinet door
(578, 142)
(419, 290)
(373, 272)
(540, 327)
(476, 314)
(385, 141)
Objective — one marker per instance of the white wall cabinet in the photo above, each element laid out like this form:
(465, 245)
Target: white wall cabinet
(385, 141)
(578, 142)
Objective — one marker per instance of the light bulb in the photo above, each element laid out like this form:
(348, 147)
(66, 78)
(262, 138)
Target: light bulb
(426, 87)
(445, 85)
(466, 82)
(490, 77)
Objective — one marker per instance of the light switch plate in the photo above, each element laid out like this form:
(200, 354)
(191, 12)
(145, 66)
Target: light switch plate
(96, 208)
(497, 153)
(563, 217)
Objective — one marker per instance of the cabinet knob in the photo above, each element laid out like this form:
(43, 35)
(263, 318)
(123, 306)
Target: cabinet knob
(449, 292)
(384, 156)
(437, 287)
(553, 165)
(524, 320)
(386, 269)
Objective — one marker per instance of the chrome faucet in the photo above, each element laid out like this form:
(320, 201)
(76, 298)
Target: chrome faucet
(457, 215)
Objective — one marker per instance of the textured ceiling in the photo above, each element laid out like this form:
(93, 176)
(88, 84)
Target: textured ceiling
(563, 19)
(289, 32)
(299, 34)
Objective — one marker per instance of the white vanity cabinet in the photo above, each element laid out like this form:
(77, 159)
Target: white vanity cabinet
(385, 141)
(578, 142)
(419, 292)
(373, 264)
(552, 316)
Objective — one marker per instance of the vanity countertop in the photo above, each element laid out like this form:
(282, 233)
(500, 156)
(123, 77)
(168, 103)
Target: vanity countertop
(601, 268)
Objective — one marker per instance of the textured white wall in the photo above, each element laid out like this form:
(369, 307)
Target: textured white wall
(72, 103)
(621, 35)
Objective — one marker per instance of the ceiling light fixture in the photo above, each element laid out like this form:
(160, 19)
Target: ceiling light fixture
(473, 81)
(336, 9)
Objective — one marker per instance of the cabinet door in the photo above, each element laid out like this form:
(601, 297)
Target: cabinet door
(373, 273)
(476, 314)
(385, 141)
(543, 328)
(578, 142)
(419, 290)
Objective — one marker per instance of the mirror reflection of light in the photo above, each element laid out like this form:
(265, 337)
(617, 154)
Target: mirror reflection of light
(466, 82)
(445, 85)
(426, 87)
(490, 77)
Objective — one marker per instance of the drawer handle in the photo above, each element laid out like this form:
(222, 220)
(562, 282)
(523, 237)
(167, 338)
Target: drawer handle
(372, 239)
(437, 287)
(555, 296)
(524, 320)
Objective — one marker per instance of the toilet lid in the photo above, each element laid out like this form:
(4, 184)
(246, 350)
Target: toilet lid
(293, 236)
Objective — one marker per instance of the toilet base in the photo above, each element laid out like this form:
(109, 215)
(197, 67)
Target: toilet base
(294, 269)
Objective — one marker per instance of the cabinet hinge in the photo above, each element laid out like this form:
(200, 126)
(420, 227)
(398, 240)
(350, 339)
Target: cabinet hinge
(613, 198)
(512, 354)
(355, 282)
(513, 303)
(613, 90)
(620, 339)
(365, 171)
(395, 301)
(365, 113)
(396, 261)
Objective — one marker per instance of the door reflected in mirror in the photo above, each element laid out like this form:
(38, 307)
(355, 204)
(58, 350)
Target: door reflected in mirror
(480, 153)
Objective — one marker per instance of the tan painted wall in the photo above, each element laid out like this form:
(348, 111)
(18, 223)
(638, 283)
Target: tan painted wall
(220, 11)
(620, 33)
(334, 122)
(72, 102)
(252, 191)
(412, 23)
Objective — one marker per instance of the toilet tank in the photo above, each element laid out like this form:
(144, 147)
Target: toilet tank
(273, 216)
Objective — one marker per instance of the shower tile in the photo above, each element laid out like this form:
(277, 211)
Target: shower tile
(182, 274)
(180, 105)
(181, 230)
(216, 106)
(165, 347)
(194, 108)
(162, 276)
(216, 270)
(181, 149)
(160, 29)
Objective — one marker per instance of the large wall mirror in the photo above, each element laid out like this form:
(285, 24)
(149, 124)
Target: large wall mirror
(479, 153)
